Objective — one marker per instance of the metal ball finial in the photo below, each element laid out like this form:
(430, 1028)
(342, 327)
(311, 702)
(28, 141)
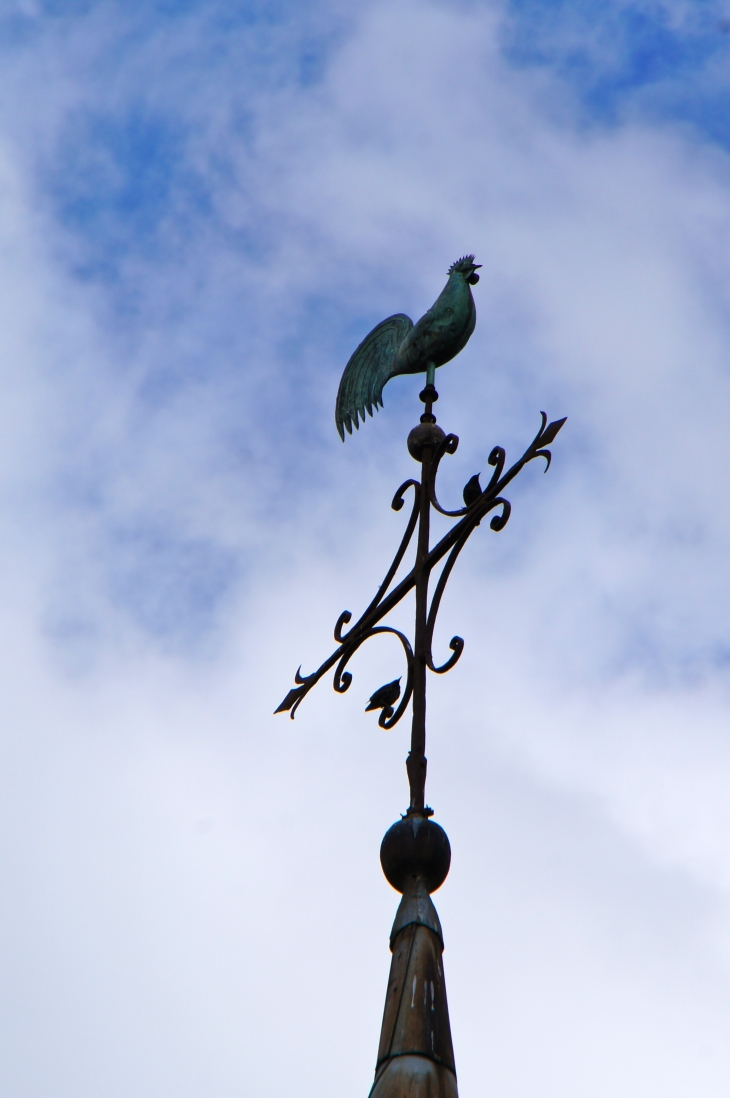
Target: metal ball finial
(415, 847)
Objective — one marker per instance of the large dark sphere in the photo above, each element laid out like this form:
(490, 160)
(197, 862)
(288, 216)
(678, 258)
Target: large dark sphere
(415, 847)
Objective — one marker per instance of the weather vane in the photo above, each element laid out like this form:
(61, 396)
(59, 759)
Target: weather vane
(415, 1058)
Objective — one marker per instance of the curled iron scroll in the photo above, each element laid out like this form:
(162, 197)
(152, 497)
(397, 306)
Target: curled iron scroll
(396, 504)
(449, 546)
(448, 446)
(342, 678)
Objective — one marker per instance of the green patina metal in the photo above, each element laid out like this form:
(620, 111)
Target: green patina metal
(398, 346)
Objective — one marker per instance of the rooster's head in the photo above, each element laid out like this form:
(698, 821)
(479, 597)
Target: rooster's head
(466, 267)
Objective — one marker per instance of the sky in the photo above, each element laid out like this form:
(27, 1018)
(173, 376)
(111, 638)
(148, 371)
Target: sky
(204, 207)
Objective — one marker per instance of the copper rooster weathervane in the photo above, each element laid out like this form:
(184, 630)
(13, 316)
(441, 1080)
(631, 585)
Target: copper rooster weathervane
(415, 1059)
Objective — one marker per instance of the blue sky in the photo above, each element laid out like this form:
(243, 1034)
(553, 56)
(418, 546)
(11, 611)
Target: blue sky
(203, 208)
(664, 60)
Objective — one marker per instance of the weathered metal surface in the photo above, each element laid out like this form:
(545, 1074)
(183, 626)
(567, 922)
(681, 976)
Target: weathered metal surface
(416, 908)
(416, 1015)
(415, 1055)
(397, 346)
(414, 1077)
(414, 847)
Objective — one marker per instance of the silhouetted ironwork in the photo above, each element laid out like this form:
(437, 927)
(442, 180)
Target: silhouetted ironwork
(428, 444)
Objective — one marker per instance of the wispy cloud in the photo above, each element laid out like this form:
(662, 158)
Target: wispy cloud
(204, 209)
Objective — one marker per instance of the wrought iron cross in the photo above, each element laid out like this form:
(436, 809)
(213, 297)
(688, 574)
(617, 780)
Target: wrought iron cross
(427, 443)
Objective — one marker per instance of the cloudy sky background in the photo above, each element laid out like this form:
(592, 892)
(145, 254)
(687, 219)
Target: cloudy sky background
(203, 208)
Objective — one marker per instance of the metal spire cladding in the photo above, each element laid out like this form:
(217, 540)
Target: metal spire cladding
(415, 1054)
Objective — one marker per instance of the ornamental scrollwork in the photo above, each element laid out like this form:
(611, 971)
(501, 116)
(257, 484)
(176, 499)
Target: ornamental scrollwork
(478, 502)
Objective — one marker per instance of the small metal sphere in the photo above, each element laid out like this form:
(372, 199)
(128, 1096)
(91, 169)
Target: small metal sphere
(425, 434)
(415, 847)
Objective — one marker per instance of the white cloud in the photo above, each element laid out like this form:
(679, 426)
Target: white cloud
(193, 900)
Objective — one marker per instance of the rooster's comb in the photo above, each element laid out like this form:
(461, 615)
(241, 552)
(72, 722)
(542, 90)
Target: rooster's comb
(463, 264)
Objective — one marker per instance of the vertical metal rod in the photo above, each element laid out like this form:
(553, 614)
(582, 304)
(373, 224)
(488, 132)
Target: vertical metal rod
(416, 762)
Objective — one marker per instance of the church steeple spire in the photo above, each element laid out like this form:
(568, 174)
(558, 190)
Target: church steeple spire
(415, 1055)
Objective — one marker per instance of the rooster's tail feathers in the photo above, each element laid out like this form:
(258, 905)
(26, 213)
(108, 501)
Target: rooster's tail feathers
(369, 368)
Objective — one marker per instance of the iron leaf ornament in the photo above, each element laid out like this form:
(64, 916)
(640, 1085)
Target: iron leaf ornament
(385, 698)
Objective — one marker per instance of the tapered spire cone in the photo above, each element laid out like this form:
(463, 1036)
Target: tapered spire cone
(416, 1056)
